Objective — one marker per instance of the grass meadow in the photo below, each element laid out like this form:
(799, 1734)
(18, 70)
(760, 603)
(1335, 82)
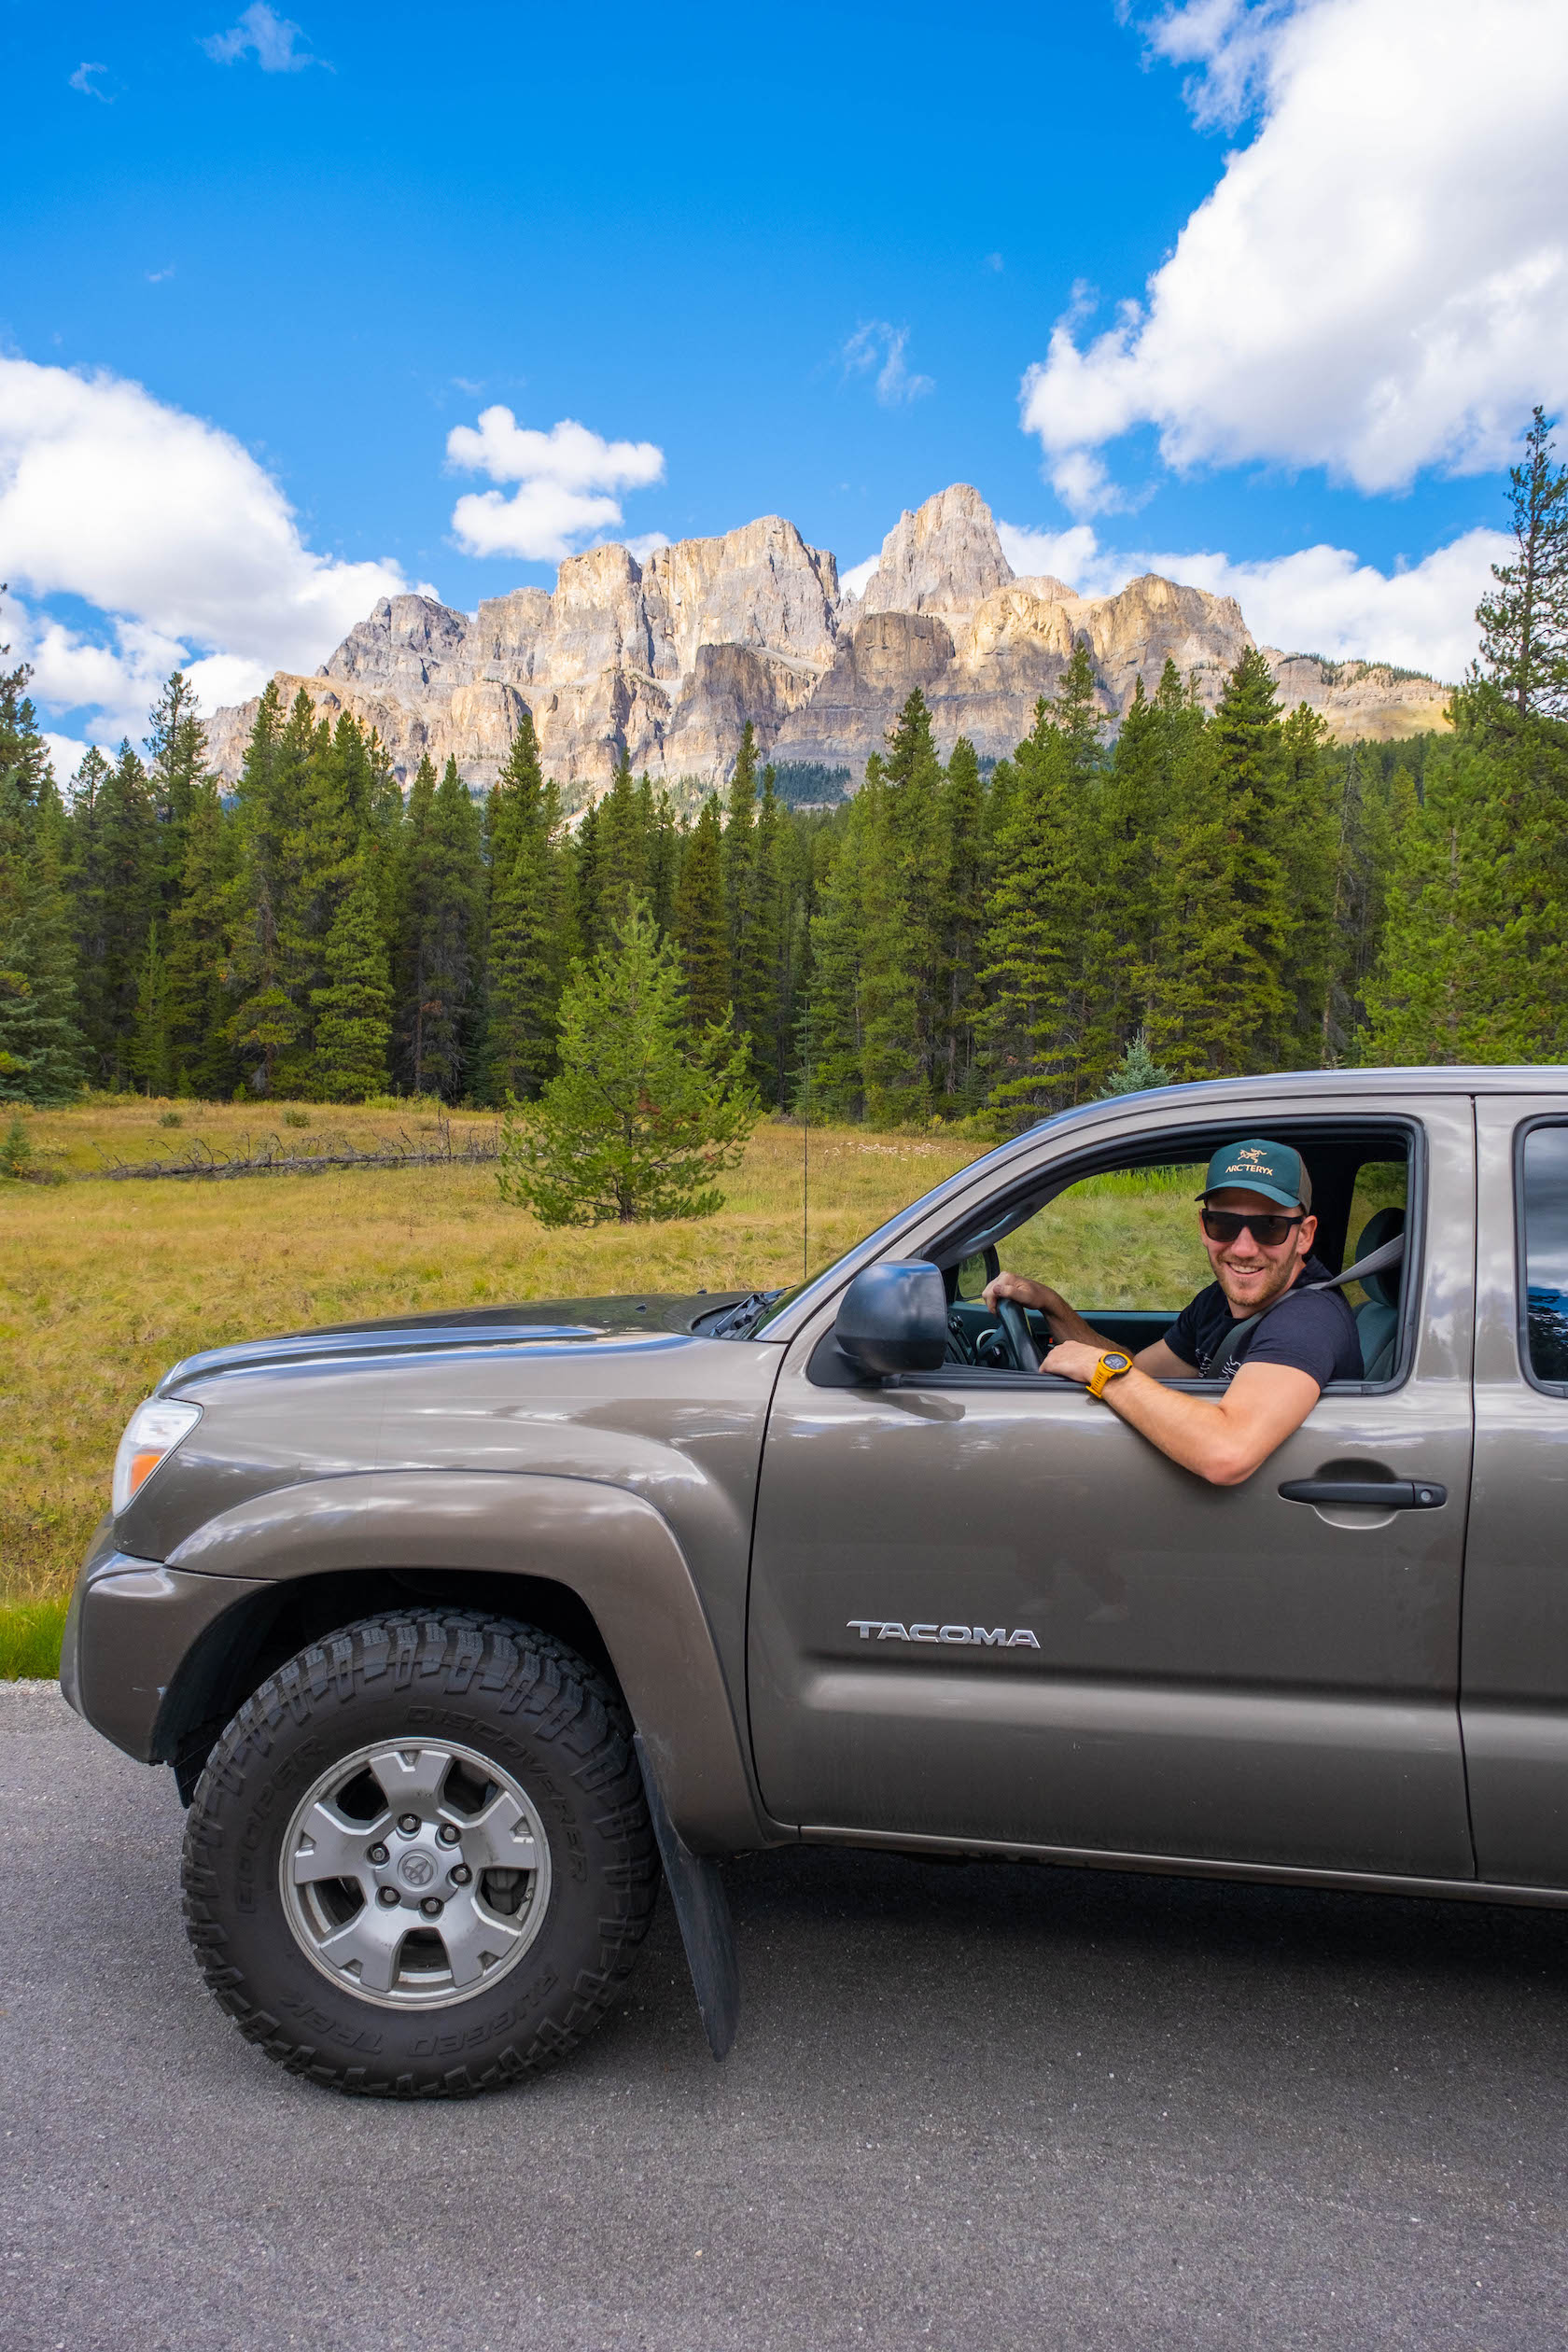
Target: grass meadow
(103, 1285)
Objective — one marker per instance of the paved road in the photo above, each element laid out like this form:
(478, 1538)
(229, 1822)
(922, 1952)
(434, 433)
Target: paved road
(970, 2108)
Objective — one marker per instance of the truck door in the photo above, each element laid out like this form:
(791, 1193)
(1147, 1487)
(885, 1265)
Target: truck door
(983, 1607)
(1515, 1684)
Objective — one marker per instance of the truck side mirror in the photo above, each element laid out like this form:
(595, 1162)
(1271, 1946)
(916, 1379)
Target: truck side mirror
(894, 1318)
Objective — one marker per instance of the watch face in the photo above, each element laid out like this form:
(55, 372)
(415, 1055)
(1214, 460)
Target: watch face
(1114, 1361)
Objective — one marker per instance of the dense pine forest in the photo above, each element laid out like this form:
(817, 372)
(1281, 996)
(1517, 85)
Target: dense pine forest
(1213, 892)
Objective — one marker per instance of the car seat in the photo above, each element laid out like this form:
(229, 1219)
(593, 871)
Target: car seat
(1377, 1320)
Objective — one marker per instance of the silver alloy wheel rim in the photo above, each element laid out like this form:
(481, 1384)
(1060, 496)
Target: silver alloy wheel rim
(366, 1924)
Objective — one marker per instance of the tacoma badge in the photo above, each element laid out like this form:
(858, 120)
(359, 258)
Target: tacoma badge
(987, 1638)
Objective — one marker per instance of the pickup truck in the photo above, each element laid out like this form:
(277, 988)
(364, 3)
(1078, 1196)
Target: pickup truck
(462, 1631)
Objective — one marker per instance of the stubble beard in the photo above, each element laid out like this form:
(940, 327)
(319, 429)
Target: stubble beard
(1253, 1302)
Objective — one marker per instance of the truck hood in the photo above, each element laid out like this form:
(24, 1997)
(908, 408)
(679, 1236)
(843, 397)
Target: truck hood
(533, 1322)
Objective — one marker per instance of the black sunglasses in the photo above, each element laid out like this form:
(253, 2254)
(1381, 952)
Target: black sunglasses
(1228, 1225)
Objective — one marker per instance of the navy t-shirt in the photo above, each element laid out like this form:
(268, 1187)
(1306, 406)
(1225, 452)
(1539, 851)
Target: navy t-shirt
(1314, 1331)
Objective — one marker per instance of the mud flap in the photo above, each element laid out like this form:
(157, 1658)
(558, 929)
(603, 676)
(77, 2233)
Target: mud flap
(703, 1910)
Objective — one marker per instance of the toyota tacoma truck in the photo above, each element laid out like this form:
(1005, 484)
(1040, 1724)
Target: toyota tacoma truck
(462, 1631)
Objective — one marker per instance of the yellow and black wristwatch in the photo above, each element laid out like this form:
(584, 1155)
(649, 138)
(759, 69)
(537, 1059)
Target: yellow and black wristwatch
(1110, 1367)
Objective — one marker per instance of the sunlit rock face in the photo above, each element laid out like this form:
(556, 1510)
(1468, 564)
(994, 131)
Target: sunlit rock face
(663, 661)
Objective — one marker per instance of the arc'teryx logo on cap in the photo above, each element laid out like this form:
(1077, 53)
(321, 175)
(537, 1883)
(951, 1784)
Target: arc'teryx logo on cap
(1258, 1166)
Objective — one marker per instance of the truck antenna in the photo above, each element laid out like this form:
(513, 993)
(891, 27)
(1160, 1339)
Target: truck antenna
(806, 1151)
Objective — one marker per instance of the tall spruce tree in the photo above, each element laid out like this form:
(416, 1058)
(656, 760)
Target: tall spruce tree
(1028, 946)
(177, 748)
(440, 936)
(524, 967)
(624, 826)
(152, 1055)
(960, 917)
(115, 866)
(265, 1021)
(902, 877)
(41, 1050)
(701, 934)
(199, 966)
(353, 1006)
(1524, 626)
(1475, 952)
(738, 846)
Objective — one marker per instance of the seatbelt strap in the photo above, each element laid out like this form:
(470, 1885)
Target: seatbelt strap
(1374, 1263)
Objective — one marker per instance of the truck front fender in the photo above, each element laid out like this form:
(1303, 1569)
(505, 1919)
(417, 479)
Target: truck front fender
(610, 1549)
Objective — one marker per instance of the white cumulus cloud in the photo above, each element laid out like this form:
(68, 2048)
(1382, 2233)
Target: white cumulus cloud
(1378, 284)
(567, 481)
(163, 525)
(265, 35)
(1315, 600)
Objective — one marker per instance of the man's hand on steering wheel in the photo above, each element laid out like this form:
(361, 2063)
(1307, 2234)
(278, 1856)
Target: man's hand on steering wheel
(1068, 1350)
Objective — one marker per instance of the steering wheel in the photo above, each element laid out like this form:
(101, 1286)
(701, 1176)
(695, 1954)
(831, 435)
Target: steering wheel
(1019, 1338)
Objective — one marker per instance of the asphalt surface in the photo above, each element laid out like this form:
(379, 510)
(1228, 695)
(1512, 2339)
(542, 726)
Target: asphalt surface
(968, 2107)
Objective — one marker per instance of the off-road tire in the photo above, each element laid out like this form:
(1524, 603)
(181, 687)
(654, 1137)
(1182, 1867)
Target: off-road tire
(547, 1719)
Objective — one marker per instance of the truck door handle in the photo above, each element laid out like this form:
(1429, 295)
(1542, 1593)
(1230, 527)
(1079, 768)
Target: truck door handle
(1378, 1494)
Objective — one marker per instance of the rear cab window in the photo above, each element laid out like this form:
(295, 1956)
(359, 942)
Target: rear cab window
(1543, 1225)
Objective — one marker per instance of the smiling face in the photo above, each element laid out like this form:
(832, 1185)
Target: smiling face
(1251, 1274)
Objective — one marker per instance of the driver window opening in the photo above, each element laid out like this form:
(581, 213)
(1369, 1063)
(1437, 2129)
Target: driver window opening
(1122, 1247)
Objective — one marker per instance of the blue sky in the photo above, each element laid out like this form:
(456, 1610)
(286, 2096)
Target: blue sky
(800, 262)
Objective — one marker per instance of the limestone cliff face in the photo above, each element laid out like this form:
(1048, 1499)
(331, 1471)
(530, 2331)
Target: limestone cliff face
(663, 661)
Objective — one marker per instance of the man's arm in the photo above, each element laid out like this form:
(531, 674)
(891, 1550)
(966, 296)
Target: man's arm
(1223, 1440)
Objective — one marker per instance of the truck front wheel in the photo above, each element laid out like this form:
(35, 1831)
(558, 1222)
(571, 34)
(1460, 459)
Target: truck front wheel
(419, 1861)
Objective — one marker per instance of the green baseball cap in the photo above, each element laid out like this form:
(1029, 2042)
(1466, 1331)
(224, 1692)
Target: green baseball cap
(1272, 1169)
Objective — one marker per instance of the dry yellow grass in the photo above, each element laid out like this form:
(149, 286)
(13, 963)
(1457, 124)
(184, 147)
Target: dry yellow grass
(103, 1285)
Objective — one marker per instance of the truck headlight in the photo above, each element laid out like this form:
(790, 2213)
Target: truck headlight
(153, 1431)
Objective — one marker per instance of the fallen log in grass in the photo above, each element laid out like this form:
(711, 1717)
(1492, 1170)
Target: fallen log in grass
(201, 1162)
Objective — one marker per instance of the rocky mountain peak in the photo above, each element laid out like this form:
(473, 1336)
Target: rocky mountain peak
(662, 660)
(944, 558)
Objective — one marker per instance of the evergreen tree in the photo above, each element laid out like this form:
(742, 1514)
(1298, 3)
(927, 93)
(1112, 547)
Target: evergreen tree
(41, 1054)
(700, 929)
(523, 972)
(758, 1005)
(354, 1006)
(625, 822)
(585, 880)
(960, 917)
(1475, 965)
(1308, 844)
(114, 870)
(1524, 627)
(440, 937)
(905, 886)
(637, 1123)
(177, 746)
(1454, 984)
(832, 1010)
(739, 894)
(1194, 1025)
(151, 1055)
(266, 1021)
(1028, 931)
(199, 967)
(1136, 1071)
